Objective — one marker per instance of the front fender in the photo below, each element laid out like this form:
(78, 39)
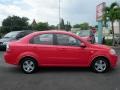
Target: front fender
(99, 54)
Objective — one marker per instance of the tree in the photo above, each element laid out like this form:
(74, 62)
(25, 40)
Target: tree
(62, 24)
(111, 14)
(117, 11)
(34, 25)
(0, 32)
(84, 26)
(68, 26)
(13, 23)
(52, 27)
(76, 26)
(42, 26)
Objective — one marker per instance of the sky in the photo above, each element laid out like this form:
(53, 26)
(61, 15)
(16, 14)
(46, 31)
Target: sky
(75, 11)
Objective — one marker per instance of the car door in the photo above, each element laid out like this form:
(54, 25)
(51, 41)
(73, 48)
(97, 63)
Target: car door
(43, 46)
(69, 51)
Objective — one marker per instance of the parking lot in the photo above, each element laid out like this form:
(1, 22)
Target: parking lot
(11, 78)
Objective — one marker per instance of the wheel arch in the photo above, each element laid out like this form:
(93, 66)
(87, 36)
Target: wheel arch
(23, 58)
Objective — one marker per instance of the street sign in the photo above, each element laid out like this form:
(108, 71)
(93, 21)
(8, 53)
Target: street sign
(100, 11)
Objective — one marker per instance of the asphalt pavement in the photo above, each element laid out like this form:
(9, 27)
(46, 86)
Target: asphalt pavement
(11, 78)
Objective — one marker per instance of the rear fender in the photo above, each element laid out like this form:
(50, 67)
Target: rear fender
(27, 54)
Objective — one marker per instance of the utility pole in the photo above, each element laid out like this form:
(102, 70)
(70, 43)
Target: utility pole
(59, 15)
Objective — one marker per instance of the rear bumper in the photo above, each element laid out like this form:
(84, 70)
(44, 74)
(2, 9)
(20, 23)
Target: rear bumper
(10, 58)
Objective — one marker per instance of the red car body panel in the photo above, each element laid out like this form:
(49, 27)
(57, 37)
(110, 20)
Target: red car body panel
(56, 55)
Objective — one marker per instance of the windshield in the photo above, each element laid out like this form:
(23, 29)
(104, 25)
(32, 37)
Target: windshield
(11, 35)
(84, 33)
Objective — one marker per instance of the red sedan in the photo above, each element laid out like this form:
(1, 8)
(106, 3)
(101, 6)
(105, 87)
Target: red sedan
(58, 49)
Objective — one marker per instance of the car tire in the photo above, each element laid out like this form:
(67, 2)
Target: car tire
(100, 65)
(29, 65)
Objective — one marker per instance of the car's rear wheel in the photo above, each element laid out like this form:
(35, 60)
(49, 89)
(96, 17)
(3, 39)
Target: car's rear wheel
(29, 65)
(100, 65)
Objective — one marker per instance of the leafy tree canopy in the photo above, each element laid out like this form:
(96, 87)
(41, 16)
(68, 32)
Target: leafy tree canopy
(14, 23)
(82, 26)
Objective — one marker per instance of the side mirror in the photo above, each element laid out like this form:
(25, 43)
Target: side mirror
(82, 45)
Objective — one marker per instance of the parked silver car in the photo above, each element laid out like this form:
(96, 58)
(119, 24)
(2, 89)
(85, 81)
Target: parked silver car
(12, 36)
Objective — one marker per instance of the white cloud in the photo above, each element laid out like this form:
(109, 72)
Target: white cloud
(75, 11)
(44, 10)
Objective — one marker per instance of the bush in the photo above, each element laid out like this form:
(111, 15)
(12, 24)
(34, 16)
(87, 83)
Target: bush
(108, 42)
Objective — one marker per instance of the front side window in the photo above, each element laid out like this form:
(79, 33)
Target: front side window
(67, 40)
(46, 39)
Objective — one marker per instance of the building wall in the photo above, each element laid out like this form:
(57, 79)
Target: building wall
(116, 27)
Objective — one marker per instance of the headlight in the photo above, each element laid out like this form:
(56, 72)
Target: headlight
(112, 52)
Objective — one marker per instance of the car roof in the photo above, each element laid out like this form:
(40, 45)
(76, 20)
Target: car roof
(50, 31)
(54, 31)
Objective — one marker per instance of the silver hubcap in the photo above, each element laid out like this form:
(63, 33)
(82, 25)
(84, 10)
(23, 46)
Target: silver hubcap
(28, 66)
(100, 65)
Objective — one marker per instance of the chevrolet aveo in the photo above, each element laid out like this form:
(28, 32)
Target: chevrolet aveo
(58, 49)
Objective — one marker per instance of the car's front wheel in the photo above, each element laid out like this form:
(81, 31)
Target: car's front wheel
(29, 65)
(100, 65)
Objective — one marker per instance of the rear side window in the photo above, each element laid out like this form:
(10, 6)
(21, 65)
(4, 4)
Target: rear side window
(46, 39)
